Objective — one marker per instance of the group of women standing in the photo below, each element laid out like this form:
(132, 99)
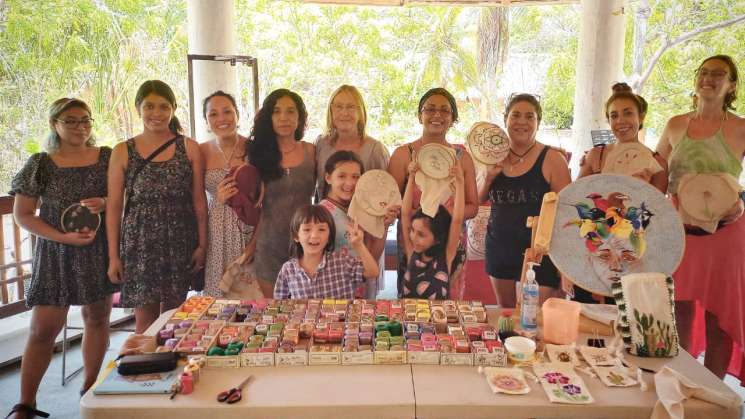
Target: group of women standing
(160, 230)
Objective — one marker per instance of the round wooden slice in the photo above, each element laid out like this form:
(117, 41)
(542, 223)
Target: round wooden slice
(707, 197)
(435, 160)
(77, 217)
(376, 190)
(629, 159)
(488, 143)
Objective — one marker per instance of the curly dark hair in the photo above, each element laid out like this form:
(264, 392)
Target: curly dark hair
(262, 149)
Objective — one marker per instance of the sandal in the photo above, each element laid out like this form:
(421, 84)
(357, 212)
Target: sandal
(30, 411)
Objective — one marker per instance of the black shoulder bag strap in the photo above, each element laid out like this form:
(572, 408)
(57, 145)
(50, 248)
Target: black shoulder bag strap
(138, 169)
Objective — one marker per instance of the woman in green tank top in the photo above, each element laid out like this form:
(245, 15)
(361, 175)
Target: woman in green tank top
(711, 140)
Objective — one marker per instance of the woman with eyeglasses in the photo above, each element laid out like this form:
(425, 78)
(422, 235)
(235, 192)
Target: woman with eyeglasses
(515, 188)
(711, 140)
(158, 237)
(346, 120)
(69, 267)
(437, 112)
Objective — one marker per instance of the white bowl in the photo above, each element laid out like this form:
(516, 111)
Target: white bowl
(520, 348)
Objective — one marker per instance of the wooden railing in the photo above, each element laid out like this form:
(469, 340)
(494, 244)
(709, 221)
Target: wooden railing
(16, 250)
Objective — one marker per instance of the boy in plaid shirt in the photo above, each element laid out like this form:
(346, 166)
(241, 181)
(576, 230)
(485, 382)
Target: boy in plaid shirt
(316, 270)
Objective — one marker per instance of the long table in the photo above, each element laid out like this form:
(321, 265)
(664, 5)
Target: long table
(392, 391)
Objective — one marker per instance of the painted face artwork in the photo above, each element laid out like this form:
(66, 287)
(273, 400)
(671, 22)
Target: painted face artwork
(608, 226)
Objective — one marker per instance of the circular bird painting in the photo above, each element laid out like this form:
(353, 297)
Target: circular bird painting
(608, 226)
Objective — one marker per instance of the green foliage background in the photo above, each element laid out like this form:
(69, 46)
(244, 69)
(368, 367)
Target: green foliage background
(101, 50)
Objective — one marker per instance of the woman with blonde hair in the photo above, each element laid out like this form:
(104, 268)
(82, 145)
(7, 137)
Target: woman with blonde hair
(346, 121)
(69, 267)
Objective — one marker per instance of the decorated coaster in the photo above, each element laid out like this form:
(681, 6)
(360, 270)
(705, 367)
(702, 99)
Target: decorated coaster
(488, 143)
(608, 226)
(435, 160)
(562, 384)
(434, 192)
(633, 159)
(615, 376)
(376, 190)
(562, 354)
(78, 218)
(506, 380)
(597, 357)
(704, 198)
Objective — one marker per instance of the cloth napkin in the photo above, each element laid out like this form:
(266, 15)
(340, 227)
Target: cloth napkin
(434, 192)
(370, 223)
(673, 388)
(645, 314)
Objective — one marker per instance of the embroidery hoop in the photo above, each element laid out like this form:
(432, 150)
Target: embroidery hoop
(487, 143)
(705, 197)
(435, 160)
(77, 217)
(376, 190)
(665, 238)
(629, 159)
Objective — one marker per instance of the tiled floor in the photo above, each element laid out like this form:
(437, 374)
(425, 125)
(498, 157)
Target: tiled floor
(61, 402)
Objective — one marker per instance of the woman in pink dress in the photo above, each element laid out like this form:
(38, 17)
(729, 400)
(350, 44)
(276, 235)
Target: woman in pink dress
(711, 139)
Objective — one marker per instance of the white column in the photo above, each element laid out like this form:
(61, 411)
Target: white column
(211, 29)
(599, 65)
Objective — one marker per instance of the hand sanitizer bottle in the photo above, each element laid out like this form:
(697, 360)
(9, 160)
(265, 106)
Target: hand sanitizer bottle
(529, 310)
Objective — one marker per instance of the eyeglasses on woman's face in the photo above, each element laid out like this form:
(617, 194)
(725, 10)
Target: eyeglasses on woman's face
(431, 110)
(75, 123)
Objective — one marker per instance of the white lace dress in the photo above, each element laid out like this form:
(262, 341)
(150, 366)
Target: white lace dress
(227, 235)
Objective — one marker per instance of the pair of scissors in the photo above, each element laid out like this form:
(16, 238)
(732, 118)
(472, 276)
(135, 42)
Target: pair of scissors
(234, 394)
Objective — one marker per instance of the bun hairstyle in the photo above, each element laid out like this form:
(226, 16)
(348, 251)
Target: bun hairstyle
(623, 91)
